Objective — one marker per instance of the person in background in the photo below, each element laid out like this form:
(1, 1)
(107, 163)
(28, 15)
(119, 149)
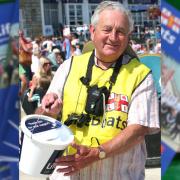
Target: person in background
(23, 80)
(75, 50)
(59, 58)
(25, 54)
(35, 91)
(158, 34)
(58, 43)
(146, 35)
(36, 54)
(56, 58)
(157, 48)
(38, 89)
(74, 39)
(45, 67)
(47, 45)
(66, 47)
(113, 106)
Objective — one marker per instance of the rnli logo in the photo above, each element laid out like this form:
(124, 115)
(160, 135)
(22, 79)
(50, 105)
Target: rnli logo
(170, 20)
(117, 102)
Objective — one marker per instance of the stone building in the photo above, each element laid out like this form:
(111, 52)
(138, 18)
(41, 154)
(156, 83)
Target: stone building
(31, 17)
(43, 16)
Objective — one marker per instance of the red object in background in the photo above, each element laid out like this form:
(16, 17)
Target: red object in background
(154, 12)
(25, 50)
(1, 69)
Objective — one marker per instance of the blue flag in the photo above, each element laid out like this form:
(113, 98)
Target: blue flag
(167, 155)
(9, 123)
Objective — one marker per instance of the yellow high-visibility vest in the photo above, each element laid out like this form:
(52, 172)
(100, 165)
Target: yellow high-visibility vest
(99, 129)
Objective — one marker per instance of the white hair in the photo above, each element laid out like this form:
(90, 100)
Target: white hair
(113, 6)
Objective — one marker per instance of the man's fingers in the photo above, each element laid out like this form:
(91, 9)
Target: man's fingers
(65, 159)
(76, 146)
(51, 103)
(56, 104)
(80, 148)
(65, 169)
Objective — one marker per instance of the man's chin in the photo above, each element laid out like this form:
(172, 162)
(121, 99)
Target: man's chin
(112, 49)
(111, 53)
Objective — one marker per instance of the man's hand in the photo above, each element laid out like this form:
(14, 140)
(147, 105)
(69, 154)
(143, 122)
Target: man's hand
(51, 103)
(73, 163)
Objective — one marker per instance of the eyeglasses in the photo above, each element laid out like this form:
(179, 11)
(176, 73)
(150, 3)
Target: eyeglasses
(47, 63)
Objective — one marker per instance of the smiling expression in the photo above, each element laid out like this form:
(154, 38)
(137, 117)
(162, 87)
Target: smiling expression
(111, 34)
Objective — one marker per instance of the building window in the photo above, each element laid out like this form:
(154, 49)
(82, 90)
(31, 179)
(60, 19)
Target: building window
(92, 7)
(138, 18)
(98, 1)
(51, 13)
(75, 14)
(142, 1)
(34, 15)
(72, 1)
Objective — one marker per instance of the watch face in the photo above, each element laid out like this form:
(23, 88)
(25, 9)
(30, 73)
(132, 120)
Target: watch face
(102, 154)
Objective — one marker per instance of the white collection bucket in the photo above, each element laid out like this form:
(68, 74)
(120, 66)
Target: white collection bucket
(43, 140)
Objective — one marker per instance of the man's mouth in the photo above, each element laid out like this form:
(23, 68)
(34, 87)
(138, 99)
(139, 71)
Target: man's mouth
(113, 45)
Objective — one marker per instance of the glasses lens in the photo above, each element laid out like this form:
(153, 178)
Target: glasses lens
(48, 63)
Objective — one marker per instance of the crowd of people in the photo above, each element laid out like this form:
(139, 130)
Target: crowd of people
(39, 58)
(150, 41)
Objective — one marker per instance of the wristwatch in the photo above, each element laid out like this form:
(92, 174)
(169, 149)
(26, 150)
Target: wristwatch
(102, 153)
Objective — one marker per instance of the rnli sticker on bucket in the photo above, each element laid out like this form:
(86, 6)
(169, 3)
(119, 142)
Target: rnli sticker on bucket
(38, 125)
(49, 168)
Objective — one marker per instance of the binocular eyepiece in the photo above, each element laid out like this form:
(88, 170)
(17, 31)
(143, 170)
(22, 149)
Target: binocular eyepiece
(79, 120)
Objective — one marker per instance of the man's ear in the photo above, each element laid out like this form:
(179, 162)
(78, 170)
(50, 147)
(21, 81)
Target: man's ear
(92, 30)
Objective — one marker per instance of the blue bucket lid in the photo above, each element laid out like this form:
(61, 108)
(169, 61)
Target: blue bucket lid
(46, 130)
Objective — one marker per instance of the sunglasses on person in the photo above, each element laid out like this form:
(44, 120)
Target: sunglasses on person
(47, 63)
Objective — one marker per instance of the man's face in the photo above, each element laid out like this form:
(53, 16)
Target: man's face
(110, 36)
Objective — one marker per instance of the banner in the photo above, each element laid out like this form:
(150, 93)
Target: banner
(9, 102)
(170, 30)
(170, 73)
(5, 170)
(9, 171)
(9, 126)
(167, 155)
(9, 24)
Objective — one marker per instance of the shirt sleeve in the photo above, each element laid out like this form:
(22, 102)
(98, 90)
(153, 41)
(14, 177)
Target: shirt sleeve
(144, 106)
(59, 78)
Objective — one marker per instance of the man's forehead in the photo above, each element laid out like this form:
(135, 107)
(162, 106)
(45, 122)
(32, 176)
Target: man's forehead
(107, 12)
(112, 15)
(106, 20)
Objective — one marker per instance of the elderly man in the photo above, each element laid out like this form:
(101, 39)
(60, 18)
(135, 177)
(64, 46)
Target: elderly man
(108, 100)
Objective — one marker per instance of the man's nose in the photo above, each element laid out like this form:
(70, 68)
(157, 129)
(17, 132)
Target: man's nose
(113, 36)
